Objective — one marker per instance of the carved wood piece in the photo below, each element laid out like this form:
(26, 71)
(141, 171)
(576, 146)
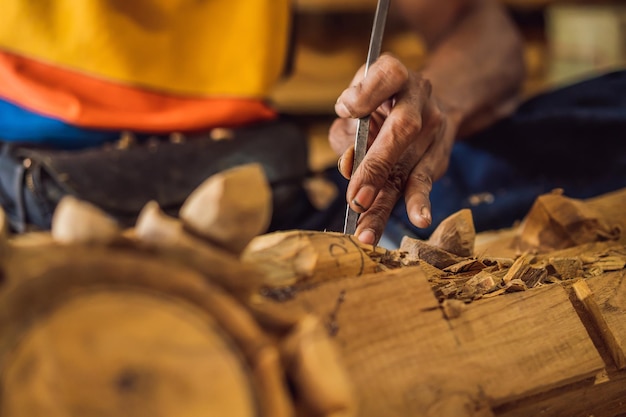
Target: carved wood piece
(76, 221)
(167, 236)
(299, 258)
(456, 234)
(316, 368)
(558, 222)
(231, 207)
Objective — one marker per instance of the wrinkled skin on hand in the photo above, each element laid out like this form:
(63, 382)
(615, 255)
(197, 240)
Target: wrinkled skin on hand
(409, 145)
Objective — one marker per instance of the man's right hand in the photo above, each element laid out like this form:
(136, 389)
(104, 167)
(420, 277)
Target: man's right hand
(410, 141)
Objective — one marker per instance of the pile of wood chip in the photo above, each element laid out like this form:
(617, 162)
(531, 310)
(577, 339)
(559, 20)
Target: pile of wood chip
(560, 240)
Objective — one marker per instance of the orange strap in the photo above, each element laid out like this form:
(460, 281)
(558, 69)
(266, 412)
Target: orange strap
(95, 103)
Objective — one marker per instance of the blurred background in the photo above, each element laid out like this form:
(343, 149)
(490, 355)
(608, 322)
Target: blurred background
(565, 41)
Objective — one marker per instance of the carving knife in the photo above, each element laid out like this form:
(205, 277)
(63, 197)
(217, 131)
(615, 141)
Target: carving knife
(363, 124)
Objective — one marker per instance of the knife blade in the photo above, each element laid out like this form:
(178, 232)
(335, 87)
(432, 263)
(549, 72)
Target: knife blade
(362, 132)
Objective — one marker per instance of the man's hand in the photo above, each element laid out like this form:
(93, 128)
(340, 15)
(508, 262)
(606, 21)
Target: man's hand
(409, 146)
(470, 79)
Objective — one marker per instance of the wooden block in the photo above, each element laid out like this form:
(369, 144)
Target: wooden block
(525, 343)
(406, 359)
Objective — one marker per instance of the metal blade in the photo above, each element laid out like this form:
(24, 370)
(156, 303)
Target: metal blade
(363, 124)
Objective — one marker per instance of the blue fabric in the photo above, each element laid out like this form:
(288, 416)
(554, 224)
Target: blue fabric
(573, 138)
(20, 125)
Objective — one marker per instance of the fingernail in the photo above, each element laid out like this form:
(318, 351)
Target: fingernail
(367, 236)
(425, 213)
(364, 198)
(341, 109)
(339, 163)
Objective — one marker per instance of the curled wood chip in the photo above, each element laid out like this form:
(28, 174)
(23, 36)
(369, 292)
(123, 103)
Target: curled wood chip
(495, 293)
(523, 271)
(468, 265)
(480, 284)
(446, 290)
(610, 263)
(418, 250)
(516, 285)
(565, 268)
(501, 263)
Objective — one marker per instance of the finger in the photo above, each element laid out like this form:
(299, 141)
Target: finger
(346, 162)
(403, 135)
(341, 135)
(384, 79)
(419, 184)
(417, 197)
(372, 223)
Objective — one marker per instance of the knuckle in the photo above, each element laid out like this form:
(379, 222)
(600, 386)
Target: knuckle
(375, 171)
(437, 117)
(392, 70)
(376, 217)
(425, 85)
(397, 180)
(404, 125)
(423, 180)
(441, 169)
(350, 99)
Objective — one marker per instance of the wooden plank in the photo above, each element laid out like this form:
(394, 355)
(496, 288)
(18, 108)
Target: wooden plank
(406, 359)
(525, 343)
